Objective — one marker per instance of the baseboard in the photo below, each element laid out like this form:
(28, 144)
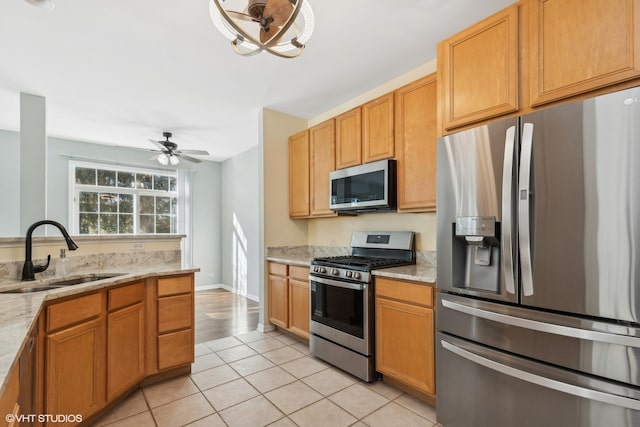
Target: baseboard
(253, 298)
(265, 328)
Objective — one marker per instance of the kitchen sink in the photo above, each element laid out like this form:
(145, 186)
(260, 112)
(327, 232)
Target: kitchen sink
(59, 284)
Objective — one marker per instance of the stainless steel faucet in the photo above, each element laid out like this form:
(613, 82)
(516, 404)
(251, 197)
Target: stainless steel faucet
(29, 270)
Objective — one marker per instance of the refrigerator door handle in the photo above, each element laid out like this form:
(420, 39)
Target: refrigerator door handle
(560, 386)
(507, 209)
(524, 194)
(539, 326)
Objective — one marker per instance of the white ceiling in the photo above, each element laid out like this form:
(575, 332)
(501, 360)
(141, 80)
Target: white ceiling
(120, 72)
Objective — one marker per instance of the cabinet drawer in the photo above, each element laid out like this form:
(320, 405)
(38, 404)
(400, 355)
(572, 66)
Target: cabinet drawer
(74, 311)
(412, 293)
(175, 312)
(126, 295)
(175, 349)
(300, 273)
(175, 285)
(277, 269)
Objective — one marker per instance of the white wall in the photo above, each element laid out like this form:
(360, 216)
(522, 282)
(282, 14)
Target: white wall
(10, 184)
(240, 224)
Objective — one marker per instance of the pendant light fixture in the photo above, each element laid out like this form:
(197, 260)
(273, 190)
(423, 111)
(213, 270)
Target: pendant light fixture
(43, 4)
(280, 27)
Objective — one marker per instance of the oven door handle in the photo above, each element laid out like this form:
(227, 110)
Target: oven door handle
(331, 282)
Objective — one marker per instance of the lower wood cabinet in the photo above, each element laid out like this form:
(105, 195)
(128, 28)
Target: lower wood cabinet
(9, 406)
(75, 372)
(288, 287)
(405, 333)
(125, 339)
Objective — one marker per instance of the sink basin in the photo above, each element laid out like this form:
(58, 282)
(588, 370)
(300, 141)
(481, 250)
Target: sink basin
(60, 284)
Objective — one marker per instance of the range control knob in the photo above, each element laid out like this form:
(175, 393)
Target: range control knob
(315, 268)
(356, 275)
(323, 270)
(349, 273)
(335, 271)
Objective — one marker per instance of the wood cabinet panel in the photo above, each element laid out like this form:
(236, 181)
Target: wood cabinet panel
(405, 344)
(415, 140)
(175, 349)
(581, 45)
(75, 369)
(377, 129)
(404, 291)
(478, 70)
(175, 285)
(175, 312)
(278, 301)
(278, 269)
(299, 175)
(299, 272)
(349, 139)
(125, 349)
(126, 295)
(322, 149)
(299, 307)
(75, 310)
(9, 398)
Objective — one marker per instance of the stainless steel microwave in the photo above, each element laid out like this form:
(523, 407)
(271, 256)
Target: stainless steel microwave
(364, 188)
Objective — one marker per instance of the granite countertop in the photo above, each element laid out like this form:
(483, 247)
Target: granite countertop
(294, 259)
(19, 312)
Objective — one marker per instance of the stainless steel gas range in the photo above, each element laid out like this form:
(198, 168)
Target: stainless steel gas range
(342, 299)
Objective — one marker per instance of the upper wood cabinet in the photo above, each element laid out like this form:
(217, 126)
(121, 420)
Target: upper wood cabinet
(582, 45)
(416, 135)
(349, 139)
(299, 175)
(322, 154)
(478, 70)
(377, 129)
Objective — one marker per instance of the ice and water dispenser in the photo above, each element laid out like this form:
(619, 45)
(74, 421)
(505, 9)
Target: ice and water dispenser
(476, 253)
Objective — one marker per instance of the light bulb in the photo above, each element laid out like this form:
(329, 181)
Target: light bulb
(174, 160)
(43, 4)
(163, 159)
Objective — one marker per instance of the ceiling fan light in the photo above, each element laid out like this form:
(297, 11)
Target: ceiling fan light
(163, 159)
(43, 4)
(174, 160)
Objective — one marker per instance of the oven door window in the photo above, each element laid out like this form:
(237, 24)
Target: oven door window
(339, 308)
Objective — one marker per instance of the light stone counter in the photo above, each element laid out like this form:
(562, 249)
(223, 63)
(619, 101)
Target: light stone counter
(19, 312)
(416, 273)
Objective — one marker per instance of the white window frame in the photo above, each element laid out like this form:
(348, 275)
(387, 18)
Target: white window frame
(75, 189)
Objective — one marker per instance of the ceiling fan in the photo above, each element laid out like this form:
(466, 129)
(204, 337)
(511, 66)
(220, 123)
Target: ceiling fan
(271, 15)
(169, 152)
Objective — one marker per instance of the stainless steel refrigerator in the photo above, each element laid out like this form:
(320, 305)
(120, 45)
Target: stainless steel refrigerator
(538, 268)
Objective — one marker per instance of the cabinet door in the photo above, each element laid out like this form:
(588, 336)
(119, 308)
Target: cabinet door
(322, 140)
(278, 301)
(75, 370)
(377, 129)
(125, 349)
(299, 175)
(416, 136)
(349, 139)
(478, 69)
(299, 307)
(580, 45)
(405, 344)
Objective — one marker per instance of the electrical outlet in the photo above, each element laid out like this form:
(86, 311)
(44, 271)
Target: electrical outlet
(137, 246)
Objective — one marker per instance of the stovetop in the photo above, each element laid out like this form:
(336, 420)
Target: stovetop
(360, 263)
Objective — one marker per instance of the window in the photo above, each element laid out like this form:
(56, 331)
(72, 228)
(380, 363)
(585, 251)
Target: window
(120, 200)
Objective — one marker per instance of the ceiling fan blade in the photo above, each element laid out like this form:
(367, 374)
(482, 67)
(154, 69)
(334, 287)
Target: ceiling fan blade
(158, 144)
(189, 158)
(241, 16)
(280, 11)
(195, 152)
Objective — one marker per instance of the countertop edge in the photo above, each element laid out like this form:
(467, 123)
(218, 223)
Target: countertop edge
(48, 296)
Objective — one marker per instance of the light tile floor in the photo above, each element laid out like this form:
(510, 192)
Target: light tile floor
(258, 379)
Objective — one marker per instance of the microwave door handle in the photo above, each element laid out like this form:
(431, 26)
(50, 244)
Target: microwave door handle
(524, 214)
(563, 387)
(507, 211)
